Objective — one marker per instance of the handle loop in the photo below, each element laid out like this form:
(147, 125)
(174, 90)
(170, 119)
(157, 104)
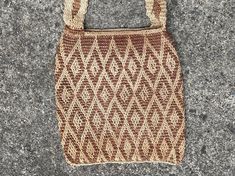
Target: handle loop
(75, 10)
(74, 13)
(156, 11)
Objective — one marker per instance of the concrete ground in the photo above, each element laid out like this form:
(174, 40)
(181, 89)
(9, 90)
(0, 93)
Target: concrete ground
(29, 139)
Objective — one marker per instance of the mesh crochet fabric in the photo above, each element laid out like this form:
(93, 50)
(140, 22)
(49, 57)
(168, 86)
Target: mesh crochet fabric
(119, 93)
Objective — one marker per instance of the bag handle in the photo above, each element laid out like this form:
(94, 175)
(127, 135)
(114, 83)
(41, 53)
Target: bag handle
(75, 10)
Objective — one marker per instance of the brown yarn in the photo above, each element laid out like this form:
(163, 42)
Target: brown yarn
(119, 93)
(76, 7)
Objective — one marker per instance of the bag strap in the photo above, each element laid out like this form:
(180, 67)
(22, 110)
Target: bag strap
(75, 10)
(156, 11)
(74, 13)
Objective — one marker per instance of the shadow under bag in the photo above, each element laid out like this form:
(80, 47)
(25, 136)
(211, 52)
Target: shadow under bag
(119, 93)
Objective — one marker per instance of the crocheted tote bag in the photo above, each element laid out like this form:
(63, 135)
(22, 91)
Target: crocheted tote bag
(119, 93)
